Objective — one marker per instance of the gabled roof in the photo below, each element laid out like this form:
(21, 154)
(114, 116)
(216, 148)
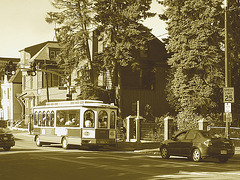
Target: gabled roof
(33, 50)
(43, 53)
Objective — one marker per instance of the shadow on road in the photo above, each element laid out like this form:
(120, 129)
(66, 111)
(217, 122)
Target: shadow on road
(18, 150)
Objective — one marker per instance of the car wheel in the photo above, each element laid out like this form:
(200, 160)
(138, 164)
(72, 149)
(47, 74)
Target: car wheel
(164, 153)
(65, 144)
(223, 159)
(38, 142)
(196, 155)
(7, 148)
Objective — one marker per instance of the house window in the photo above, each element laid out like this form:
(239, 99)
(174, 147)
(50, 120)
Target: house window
(148, 79)
(102, 79)
(39, 79)
(31, 82)
(52, 54)
(143, 79)
(24, 82)
(54, 80)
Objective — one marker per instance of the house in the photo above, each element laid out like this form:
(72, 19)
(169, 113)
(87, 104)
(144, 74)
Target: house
(147, 85)
(46, 81)
(11, 86)
(42, 80)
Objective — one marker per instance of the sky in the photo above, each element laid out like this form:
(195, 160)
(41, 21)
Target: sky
(22, 24)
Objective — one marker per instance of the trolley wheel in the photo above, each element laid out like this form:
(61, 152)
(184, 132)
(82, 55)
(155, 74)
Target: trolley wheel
(38, 142)
(65, 144)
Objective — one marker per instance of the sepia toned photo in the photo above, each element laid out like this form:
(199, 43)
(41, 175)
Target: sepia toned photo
(119, 89)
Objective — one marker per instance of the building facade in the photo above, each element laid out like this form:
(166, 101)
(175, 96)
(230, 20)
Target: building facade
(35, 84)
(43, 83)
(11, 87)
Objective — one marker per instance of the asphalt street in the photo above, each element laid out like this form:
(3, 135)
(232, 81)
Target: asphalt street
(27, 161)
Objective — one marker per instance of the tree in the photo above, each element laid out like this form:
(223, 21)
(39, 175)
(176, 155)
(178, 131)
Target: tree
(234, 51)
(119, 25)
(196, 38)
(123, 35)
(73, 22)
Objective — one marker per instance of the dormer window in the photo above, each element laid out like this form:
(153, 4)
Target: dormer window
(52, 54)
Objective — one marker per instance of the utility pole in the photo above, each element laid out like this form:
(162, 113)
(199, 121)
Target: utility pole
(227, 70)
(46, 76)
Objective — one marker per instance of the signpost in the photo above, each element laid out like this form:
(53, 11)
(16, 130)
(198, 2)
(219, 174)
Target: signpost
(228, 99)
(228, 95)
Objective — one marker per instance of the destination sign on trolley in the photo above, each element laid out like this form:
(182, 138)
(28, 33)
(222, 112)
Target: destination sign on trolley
(228, 95)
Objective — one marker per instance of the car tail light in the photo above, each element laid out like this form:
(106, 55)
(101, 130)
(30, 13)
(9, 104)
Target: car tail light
(208, 142)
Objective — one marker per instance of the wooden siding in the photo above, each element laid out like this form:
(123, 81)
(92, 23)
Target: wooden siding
(155, 98)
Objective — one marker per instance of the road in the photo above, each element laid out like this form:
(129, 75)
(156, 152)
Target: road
(29, 162)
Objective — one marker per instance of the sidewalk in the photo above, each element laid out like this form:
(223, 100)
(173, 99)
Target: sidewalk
(134, 146)
(143, 146)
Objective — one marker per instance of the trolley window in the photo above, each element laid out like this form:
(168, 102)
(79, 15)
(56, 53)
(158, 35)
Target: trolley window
(35, 118)
(112, 120)
(39, 118)
(89, 119)
(44, 119)
(68, 118)
(52, 118)
(102, 119)
(48, 119)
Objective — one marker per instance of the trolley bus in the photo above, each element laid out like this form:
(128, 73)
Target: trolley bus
(81, 122)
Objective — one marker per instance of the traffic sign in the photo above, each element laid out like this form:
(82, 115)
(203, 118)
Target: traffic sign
(227, 107)
(227, 117)
(228, 95)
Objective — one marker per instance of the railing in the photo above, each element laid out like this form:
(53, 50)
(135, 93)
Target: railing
(234, 131)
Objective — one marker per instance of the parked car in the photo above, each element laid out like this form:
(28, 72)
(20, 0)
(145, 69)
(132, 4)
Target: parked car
(197, 145)
(6, 139)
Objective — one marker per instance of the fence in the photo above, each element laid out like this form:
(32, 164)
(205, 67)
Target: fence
(234, 133)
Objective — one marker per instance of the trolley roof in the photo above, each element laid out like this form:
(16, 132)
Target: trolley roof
(77, 103)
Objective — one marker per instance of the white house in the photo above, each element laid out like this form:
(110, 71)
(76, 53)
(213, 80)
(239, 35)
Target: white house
(11, 106)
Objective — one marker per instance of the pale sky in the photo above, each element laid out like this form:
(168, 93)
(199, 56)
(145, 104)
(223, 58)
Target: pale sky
(23, 24)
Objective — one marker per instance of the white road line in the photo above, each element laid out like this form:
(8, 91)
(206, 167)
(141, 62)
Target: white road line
(200, 175)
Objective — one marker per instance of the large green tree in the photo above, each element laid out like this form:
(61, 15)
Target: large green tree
(124, 35)
(234, 54)
(73, 21)
(119, 23)
(196, 41)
